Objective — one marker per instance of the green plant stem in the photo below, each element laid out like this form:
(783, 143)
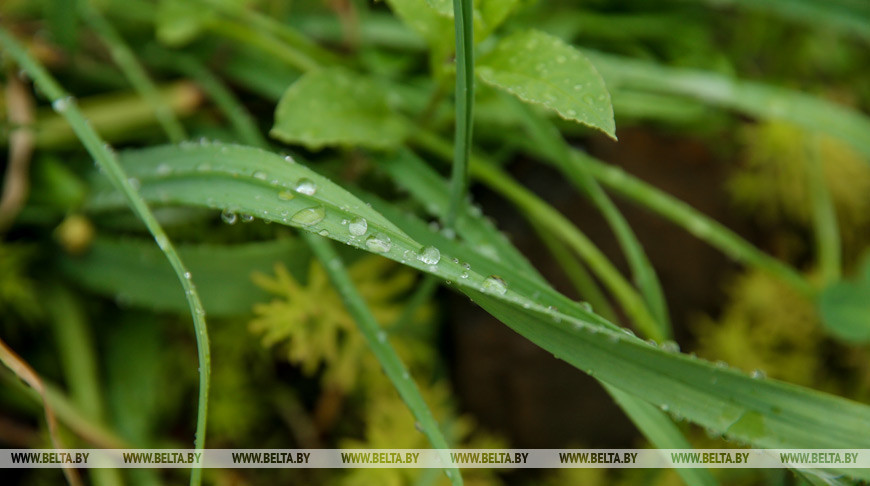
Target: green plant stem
(264, 41)
(693, 221)
(421, 295)
(77, 353)
(585, 284)
(462, 20)
(290, 37)
(825, 227)
(133, 70)
(69, 414)
(376, 338)
(535, 208)
(553, 147)
(108, 162)
(239, 117)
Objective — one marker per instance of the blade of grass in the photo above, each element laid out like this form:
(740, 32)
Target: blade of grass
(107, 161)
(752, 98)
(546, 136)
(762, 412)
(238, 116)
(27, 374)
(692, 220)
(462, 22)
(78, 355)
(376, 338)
(825, 227)
(534, 207)
(132, 69)
(585, 284)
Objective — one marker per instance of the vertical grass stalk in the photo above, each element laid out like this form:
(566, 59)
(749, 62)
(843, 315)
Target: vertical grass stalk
(107, 161)
(462, 20)
(133, 70)
(376, 338)
(825, 227)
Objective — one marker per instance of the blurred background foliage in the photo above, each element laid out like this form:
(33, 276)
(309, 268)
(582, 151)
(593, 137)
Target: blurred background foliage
(290, 369)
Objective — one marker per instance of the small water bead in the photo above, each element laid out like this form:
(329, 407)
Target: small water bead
(134, 182)
(418, 426)
(289, 159)
(323, 233)
(164, 169)
(286, 195)
(260, 175)
(670, 347)
(379, 243)
(61, 104)
(382, 336)
(758, 374)
(187, 275)
(203, 167)
(309, 216)
(358, 226)
(306, 186)
(429, 255)
(229, 217)
(246, 218)
(586, 306)
(494, 285)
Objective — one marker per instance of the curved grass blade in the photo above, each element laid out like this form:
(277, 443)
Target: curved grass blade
(755, 99)
(132, 69)
(376, 338)
(546, 136)
(761, 412)
(108, 162)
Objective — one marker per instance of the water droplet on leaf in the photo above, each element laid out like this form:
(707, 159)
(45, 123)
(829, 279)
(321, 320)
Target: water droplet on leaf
(306, 186)
(358, 227)
(228, 216)
(309, 216)
(494, 285)
(379, 243)
(429, 255)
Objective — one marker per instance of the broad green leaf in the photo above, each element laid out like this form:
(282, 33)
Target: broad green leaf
(135, 273)
(488, 14)
(845, 307)
(761, 412)
(755, 99)
(433, 19)
(334, 106)
(541, 69)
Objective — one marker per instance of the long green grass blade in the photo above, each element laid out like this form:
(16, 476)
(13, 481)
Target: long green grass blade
(752, 98)
(377, 340)
(761, 412)
(132, 69)
(107, 160)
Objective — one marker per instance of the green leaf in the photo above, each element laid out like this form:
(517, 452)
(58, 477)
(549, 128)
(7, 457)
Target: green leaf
(135, 273)
(761, 412)
(336, 107)
(845, 307)
(433, 19)
(178, 22)
(541, 69)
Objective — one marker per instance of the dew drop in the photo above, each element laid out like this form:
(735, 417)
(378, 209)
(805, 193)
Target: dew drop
(204, 167)
(358, 227)
(164, 169)
(229, 217)
(289, 159)
(429, 255)
(418, 426)
(260, 175)
(379, 243)
(309, 216)
(286, 195)
(494, 285)
(187, 275)
(306, 186)
(323, 233)
(670, 347)
(382, 336)
(60, 105)
(586, 306)
(246, 218)
(758, 374)
(134, 182)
